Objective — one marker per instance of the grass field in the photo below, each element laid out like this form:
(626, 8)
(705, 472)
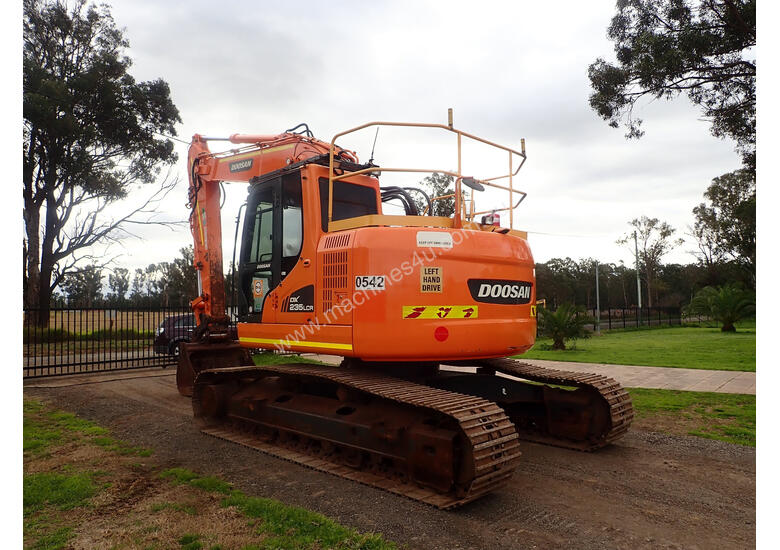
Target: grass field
(725, 417)
(684, 347)
(271, 358)
(85, 489)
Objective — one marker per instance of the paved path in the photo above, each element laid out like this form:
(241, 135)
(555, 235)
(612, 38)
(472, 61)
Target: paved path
(719, 381)
(665, 378)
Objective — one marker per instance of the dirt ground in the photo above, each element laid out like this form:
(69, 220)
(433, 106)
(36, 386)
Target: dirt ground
(647, 491)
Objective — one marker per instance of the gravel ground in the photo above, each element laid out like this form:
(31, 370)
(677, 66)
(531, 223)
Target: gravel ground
(647, 491)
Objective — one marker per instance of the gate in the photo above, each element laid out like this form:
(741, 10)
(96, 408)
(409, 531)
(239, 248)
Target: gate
(82, 340)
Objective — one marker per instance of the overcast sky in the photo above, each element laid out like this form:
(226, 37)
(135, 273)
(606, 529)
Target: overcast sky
(509, 70)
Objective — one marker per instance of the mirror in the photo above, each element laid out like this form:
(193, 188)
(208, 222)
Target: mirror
(473, 184)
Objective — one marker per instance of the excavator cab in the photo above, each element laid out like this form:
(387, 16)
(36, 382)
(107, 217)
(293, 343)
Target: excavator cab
(285, 219)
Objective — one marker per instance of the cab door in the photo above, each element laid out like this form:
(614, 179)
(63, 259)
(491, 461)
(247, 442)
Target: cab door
(271, 243)
(259, 268)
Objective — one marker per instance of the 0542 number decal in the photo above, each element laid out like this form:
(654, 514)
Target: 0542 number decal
(370, 282)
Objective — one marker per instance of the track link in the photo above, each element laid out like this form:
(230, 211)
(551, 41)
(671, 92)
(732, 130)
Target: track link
(490, 440)
(621, 410)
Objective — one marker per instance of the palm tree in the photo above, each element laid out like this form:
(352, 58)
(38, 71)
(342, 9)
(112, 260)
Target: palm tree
(726, 304)
(565, 323)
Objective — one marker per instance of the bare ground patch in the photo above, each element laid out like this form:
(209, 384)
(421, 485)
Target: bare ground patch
(149, 512)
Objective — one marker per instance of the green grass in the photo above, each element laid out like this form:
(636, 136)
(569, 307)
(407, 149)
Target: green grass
(43, 428)
(190, 542)
(54, 541)
(71, 422)
(285, 527)
(291, 528)
(182, 476)
(683, 347)
(62, 491)
(721, 416)
(120, 447)
(271, 358)
(175, 506)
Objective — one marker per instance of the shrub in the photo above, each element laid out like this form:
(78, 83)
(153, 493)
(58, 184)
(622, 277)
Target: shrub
(566, 323)
(726, 304)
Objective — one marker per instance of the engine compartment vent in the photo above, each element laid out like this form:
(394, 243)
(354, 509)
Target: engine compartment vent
(334, 278)
(339, 240)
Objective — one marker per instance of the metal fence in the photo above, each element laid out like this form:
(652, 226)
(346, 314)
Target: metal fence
(616, 318)
(101, 339)
(82, 340)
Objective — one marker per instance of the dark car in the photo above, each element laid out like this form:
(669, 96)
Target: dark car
(172, 331)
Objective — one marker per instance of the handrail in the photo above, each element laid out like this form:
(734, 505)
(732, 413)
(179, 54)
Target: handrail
(457, 221)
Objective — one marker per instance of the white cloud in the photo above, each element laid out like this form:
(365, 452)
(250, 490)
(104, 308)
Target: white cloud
(509, 69)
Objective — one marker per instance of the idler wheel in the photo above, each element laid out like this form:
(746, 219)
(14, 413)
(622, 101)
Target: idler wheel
(213, 401)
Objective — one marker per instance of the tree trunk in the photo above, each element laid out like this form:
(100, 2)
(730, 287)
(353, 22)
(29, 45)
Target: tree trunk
(32, 226)
(44, 298)
(623, 285)
(47, 263)
(649, 287)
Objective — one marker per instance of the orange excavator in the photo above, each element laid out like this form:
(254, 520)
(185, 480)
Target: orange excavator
(425, 311)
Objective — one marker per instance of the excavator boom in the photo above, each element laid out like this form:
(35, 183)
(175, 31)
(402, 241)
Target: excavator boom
(260, 155)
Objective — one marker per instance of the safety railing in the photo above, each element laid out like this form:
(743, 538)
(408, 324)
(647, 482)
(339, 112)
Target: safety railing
(461, 212)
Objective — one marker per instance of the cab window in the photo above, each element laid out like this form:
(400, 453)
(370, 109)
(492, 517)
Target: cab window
(349, 201)
(292, 218)
(262, 245)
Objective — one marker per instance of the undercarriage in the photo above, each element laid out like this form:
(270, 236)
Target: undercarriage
(444, 435)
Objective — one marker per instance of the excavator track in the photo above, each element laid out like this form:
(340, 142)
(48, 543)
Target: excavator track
(603, 391)
(235, 404)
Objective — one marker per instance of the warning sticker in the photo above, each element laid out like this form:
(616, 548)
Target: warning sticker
(257, 288)
(440, 312)
(431, 279)
(434, 239)
(533, 311)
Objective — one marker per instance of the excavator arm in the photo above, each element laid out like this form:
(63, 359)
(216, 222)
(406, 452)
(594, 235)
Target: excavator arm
(257, 155)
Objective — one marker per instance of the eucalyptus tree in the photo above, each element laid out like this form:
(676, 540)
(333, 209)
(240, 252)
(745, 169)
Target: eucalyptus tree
(91, 133)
